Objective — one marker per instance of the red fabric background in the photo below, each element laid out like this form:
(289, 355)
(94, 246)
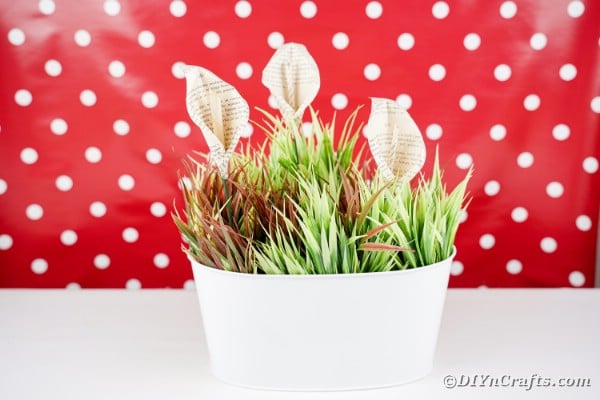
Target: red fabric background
(534, 216)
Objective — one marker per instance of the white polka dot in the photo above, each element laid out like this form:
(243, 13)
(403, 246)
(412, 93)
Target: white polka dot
(525, 159)
(555, 189)
(146, 39)
(93, 154)
(97, 209)
(182, 129)
(405, 101)
(247, 131)
(73, 286)
(372, 72)
(307, 130)
(153, 156)
(68, 237)
(468, 102)
(130, 235)
(498, 132)
(308, 9)
(472, 41)
(374, 9)
(243, 9)
(339, 101)
(514, 267)
(149, 99)
(437, 72)
(575, 9)
(211, 39)
(243, 70)
(133, 284)
(508, 9)
(34, 212)
(531, 102)
(434, 131)
(576, 279)
(487, 241)
(538, 41)
(548, 245)
(340, 41)
(52, 68)
(463, 215)
(112, 7)
(116, 69)
(456, 268)
(82, 38)
(583, 223)
(177, 8)
(502, 72)
(275, 40)
(561, 132)
(464, 160)
(189, 284)
(64, 183)
(23, 97)
(16, 37)
(184, 182)
(440, 10)
(272, 102)
(590, 165)
(87, 98)
(39, 266)
(29, 156)
(47, 7)
(177, 69)
(6, 242)
(492, 188)
(126, 182)
(161, 260)
(595, 104)
(365, 130)
(121, 127)
(58, 126)
(406, 41)
(3, 186)
(519, 214)
(158, 209)
(101, 261)
(567, 72)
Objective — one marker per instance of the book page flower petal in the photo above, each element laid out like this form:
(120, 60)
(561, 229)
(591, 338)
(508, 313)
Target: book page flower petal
(219, 111)
(292, 77)
(395, 140)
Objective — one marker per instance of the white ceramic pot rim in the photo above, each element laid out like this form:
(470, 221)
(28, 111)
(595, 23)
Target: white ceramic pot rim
(357, 275)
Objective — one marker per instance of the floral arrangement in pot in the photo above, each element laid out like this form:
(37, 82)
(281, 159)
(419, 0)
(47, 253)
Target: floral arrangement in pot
(314, 270)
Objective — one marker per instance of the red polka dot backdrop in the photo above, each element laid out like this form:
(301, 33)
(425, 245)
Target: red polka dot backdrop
(93, 125)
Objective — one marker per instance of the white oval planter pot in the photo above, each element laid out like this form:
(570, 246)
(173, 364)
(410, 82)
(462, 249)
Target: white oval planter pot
(322, 332)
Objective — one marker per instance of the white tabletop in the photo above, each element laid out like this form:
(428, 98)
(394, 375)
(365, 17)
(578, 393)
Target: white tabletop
(112, 344)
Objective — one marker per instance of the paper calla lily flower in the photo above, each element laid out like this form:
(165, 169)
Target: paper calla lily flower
(395, 140)
(292, 77)
(219, 111)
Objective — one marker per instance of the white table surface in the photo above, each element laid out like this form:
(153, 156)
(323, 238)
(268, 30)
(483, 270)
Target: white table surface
(112, 344)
